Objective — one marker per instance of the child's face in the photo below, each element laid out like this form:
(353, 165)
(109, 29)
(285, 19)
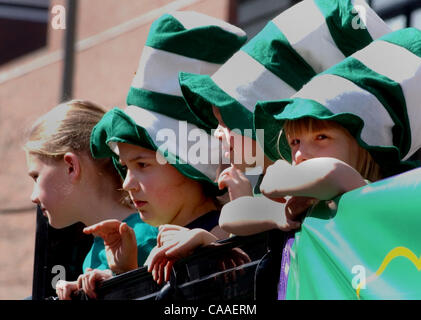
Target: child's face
(242, 151)
(159, 192)
(330, 142)
(51, 190)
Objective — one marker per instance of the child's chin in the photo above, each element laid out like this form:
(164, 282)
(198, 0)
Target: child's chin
(147, 218)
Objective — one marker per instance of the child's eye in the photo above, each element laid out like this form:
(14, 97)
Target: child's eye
(294, 142)
(142, 164)
(321, 137)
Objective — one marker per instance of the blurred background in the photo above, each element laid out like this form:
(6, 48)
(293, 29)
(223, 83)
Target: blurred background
(94, 57)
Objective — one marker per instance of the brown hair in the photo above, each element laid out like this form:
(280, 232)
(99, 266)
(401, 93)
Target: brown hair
(366, 166)
(67, 128)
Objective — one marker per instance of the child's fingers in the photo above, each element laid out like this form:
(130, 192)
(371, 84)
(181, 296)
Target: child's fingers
(298, 205)
(167, 270)
(154, 258)
(227, 182)
(161, 272)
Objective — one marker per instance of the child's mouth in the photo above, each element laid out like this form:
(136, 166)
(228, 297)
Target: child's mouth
(139, 204)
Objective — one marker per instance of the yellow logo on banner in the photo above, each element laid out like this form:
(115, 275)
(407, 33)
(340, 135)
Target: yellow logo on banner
(396, 252)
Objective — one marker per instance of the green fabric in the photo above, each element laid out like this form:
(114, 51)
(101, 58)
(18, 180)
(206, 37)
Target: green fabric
(256, 189)
(339, 19)
(369, 224)
(201, 93)
(168, 34)
(169, 105)
(409, 38)
(272, 50)
(145, 238)
(387, 91)
(117, 126)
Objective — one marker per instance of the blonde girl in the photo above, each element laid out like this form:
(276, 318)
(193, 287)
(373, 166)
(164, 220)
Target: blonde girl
(70, 186)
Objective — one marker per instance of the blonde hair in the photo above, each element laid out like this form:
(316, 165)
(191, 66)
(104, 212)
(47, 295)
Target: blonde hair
(67, 128)
(366, 165)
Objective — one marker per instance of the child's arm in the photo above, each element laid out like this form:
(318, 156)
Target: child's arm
(250, 215)
(320, 178)
(237, 183)
(120, 244)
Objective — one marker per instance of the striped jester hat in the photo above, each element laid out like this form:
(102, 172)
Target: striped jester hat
(299, 43)
(375, 94)
(157, 116)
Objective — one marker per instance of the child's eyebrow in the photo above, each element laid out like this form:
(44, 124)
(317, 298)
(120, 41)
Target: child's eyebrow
(134, 159)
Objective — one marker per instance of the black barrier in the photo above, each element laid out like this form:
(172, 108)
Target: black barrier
(238, 268)
(59, 254)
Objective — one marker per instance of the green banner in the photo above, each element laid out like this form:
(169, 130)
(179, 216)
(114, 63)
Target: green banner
(363, 245)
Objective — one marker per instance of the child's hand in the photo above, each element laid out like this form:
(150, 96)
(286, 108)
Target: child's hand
(64, 289)
(237, 183)
(173, 243)
(120, 244)
(320, 178)
(87, 281)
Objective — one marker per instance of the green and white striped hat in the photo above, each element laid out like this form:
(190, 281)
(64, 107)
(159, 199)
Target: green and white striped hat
(301, 42)
(375, 94)
(157, 116)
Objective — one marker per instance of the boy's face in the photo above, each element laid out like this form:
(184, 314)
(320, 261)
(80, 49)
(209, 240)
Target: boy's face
(158, 191)
(242, 151)
(327, 142)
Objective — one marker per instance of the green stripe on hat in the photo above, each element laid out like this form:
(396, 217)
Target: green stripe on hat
(382, 93)
(387, 91)
(308, 38)
(181, 41)
(341, 20)
(274, 52)
(159, 102)
(118, 127)
(409, 38)
(203, 91)
(169, 34)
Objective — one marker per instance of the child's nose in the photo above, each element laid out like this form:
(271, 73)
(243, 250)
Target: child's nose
(302, 154)
(35, 196)
(130, 183)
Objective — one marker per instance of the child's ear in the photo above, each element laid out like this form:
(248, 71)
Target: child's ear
(72, 165)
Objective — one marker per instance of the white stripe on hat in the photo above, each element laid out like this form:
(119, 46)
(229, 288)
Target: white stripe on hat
(375, 25)
(343, 96)
(191, 20)
(181, 138)
(248, 81)
(403, 67)
(311, 38)
(158, 70)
